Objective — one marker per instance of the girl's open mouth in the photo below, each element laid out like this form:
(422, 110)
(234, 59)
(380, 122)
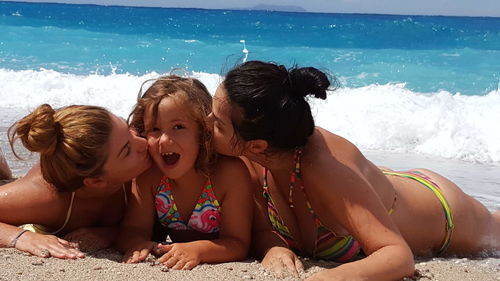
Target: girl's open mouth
(170, 158)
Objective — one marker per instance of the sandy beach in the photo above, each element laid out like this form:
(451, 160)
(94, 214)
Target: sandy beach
(105, 265)
(415, 91)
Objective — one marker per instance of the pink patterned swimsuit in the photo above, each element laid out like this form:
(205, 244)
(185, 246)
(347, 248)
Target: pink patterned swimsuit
(206, 213)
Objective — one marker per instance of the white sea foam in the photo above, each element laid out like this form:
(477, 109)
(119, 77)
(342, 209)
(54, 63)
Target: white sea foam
(376, 117)
(391, 117)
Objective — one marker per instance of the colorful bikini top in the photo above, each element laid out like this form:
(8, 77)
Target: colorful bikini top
(327, 245)
(206, 214)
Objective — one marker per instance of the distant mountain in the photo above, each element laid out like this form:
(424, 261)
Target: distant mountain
(264, 7)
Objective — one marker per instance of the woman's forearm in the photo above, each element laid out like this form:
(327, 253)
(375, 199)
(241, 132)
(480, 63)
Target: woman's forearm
(9, 235)
(388, 263)
(264, 240)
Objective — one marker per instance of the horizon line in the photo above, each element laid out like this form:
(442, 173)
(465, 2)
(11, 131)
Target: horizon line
(250, 9)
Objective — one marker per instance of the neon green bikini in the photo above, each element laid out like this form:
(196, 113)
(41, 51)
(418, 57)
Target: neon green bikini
(427, 182)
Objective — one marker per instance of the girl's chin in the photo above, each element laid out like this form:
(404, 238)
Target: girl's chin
(169, 171)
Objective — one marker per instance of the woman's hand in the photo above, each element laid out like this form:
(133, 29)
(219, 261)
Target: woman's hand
(183, 256)
(139, 251)
(92, 238)
(48, 246)
(278, 259)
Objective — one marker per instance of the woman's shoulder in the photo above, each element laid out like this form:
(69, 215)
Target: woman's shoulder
(324, 145)
(330, 155)
(34, 185)
(30, 196)
(330, 138)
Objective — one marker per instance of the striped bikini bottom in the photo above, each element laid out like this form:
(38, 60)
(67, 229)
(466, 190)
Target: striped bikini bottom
(427, 182)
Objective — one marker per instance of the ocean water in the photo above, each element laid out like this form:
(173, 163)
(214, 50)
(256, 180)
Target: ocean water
(409, 84)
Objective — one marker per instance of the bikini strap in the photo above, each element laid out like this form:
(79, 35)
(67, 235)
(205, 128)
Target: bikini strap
(125, 197)
(296, 177)
(272, 211)
(208, 189)
(68, 214)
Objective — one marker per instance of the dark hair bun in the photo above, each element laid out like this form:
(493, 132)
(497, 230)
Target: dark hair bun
(306, 81)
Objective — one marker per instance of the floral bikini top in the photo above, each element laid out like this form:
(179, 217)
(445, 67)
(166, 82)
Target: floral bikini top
(206, 214)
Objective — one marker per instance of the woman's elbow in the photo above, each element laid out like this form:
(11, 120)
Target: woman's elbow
(407, 263)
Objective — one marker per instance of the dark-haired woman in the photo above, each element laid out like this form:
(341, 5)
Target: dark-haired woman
(320, 197)
(87, 155)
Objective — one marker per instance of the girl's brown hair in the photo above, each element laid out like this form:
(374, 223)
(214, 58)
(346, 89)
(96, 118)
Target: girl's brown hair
(197, 100)
(71, 142)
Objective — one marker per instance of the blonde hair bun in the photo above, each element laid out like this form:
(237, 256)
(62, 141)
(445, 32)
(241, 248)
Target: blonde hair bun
(38, 131)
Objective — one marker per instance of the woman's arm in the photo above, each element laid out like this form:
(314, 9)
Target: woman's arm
(30, 200)
(268, 244)
(342, 196)
(263, 237)
(93, 238)
(233, 186)
(134, 239)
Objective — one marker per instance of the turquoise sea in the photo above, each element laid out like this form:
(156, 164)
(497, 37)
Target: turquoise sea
(428, 53)
(411, 84)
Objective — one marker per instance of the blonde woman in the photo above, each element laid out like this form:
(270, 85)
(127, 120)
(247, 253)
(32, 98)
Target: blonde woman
(88, 156)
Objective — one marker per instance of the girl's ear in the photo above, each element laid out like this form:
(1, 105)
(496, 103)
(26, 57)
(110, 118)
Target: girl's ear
(257, 146)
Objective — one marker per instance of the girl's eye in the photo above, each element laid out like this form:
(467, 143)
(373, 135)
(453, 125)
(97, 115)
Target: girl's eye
(178, 127)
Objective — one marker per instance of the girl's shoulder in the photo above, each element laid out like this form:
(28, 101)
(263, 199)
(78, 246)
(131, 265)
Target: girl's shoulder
(150, 178)
(229, 171)
(151, 174)
(228, 164)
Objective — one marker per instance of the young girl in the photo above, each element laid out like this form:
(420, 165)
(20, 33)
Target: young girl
(320, 197)
(204, 204)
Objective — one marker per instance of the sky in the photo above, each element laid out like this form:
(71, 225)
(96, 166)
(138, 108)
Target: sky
(489, 8)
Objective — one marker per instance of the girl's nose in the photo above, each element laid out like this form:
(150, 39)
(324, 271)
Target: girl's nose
(165, 138)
